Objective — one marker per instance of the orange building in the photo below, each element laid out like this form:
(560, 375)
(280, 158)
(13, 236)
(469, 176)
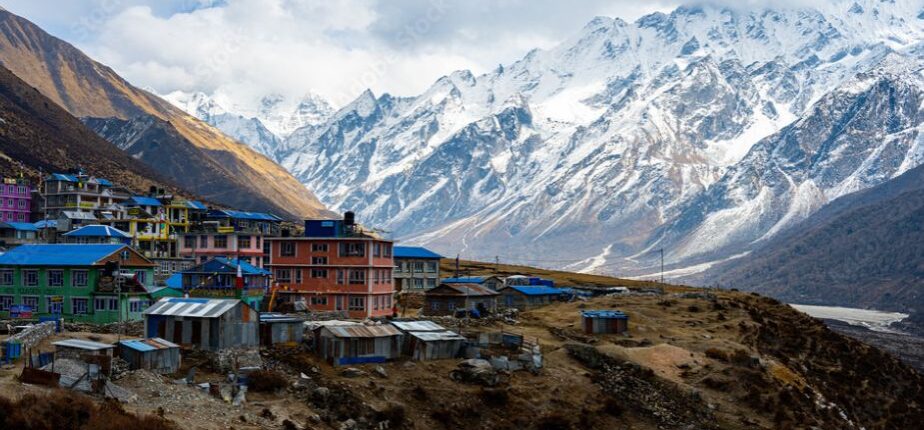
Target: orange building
(336, 266)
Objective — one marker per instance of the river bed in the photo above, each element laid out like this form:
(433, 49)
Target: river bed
(872, 319)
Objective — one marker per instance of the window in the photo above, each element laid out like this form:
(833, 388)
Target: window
(21, 217)
(100, 303)
(357, 276)
(319, 300)
(286, 249)
(22, 204)
(55, 278)
(31, 302)
(418, 266)
(357, 303)
(298, 276)
(6, 277)
(435, 306)
(283, 275)
(318, 260)
(243, 241)
(30, 278)
(352, 249)
(189, 241)
(79, 278)
(431, 283)
(386, 247)
(388, 276)
(140, 276)
(418, 283)
(319, 273)
(340, 276)
(431, 267)
(203, 241)
(221, 241)
(138, 305)
(377, 250)
(79, 306)
(6, 302)
(318, 247)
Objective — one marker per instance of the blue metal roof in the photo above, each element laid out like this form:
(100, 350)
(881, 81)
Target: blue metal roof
(604, 314)
(105, 182)
(98, 231)
(259, 216)
(137, 345)
(536, 290)
(175, 281)
(414, 252)
(469, 280)
(227, 265)
(195, 204)
(58, 254)
(51, 223)
(22, 226)
(142, 201)
(62, 177)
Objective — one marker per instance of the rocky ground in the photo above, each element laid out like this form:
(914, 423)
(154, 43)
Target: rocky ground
(909, 347)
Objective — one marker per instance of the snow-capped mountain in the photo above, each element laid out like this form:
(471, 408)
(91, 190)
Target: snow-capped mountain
(629, 137)
(262, 127)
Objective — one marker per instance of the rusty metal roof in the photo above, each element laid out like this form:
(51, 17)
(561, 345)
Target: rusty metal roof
(384, 330)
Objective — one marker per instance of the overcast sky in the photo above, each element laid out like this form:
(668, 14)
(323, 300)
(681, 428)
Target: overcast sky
(245, 49)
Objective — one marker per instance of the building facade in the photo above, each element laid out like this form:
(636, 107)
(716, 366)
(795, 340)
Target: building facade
(416, 268)
(76, 281)
(77, 192)
(15, 200)
(336, 266)
(217, 278)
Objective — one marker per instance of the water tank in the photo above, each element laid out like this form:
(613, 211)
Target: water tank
(349, 218)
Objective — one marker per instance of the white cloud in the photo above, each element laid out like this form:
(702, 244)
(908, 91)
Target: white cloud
(244, 49)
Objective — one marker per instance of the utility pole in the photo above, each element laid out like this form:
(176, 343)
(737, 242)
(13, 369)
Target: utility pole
(496, 264)
(662, 265)
(457, 266)
(118, 291)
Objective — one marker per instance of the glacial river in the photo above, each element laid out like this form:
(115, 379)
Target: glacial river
(871, 319)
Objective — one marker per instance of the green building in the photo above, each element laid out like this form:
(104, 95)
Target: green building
(80, 282)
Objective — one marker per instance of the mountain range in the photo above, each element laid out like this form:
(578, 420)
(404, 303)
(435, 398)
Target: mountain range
(705, 132)
(176, 145)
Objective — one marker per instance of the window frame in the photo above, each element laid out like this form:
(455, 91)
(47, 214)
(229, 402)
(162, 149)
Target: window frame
(58, 274)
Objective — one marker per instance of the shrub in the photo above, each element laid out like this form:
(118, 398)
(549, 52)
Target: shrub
(68, 410)
(717, 354)
(267, 381)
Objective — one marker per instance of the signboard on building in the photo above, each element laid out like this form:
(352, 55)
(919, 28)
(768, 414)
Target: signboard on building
(20, 311)
(226, 229)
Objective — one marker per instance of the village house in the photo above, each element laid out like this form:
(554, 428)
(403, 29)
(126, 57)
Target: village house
(447, 299)
(77, 282)
(154, 354)
(17, 233)
(416, 268)
(230, 234)
(493, 282)
(71, 219)
(357, 344)
(525, 297)
(217, 278)
(206, 324)
(15, 200)
(76, 192)
(604, 321)
(427, 340)
(337, 266)
(281, 329)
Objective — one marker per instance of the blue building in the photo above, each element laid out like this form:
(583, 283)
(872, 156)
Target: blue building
(217, 278)
(97, 234)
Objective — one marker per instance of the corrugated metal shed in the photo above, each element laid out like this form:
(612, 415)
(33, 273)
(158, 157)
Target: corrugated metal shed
(151, 344)
(358, 344)
(429, 336)
(58, 254)
(604, 314)
(156, 354)
(418, 326)
(88, 345)
(183, 307)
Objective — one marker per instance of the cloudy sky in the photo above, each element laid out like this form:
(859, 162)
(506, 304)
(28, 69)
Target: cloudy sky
(245, 49)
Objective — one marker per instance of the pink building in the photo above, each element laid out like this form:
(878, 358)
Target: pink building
(15, 200)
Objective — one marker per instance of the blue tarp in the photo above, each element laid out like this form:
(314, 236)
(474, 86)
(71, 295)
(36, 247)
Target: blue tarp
(414, 252)
(58, 254)
(51, 223)
(604, 314)
(470, 280)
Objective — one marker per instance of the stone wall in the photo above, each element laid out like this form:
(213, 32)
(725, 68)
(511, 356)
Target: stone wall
(35, 334)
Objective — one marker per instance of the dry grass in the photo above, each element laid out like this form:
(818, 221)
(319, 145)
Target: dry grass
(63, 409)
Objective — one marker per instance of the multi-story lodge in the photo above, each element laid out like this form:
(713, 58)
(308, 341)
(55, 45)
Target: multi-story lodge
(15, 200)
(80, 282)
(231, 234)
(77, 192)
(416, 268)
(336, 266)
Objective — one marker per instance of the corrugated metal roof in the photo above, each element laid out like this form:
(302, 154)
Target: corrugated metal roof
(469, 280)
(60, 254)
(279, 318)
(20, 226)
(259, 216)
(97, 231)
(104, 182)
(227, 265)
(418, 326)
(51, 223)
(471, 289)
(143, 201)
(384, 330)
(414, 252)
(195, 204)
(79, 215)
(83, 344)
(603, 314)
(175, 281)
(429, 336)
(183, 307)
(145, 345)
(536, 290)
(62, 177)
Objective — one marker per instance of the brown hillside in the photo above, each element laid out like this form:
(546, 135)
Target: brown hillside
(242, 177)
